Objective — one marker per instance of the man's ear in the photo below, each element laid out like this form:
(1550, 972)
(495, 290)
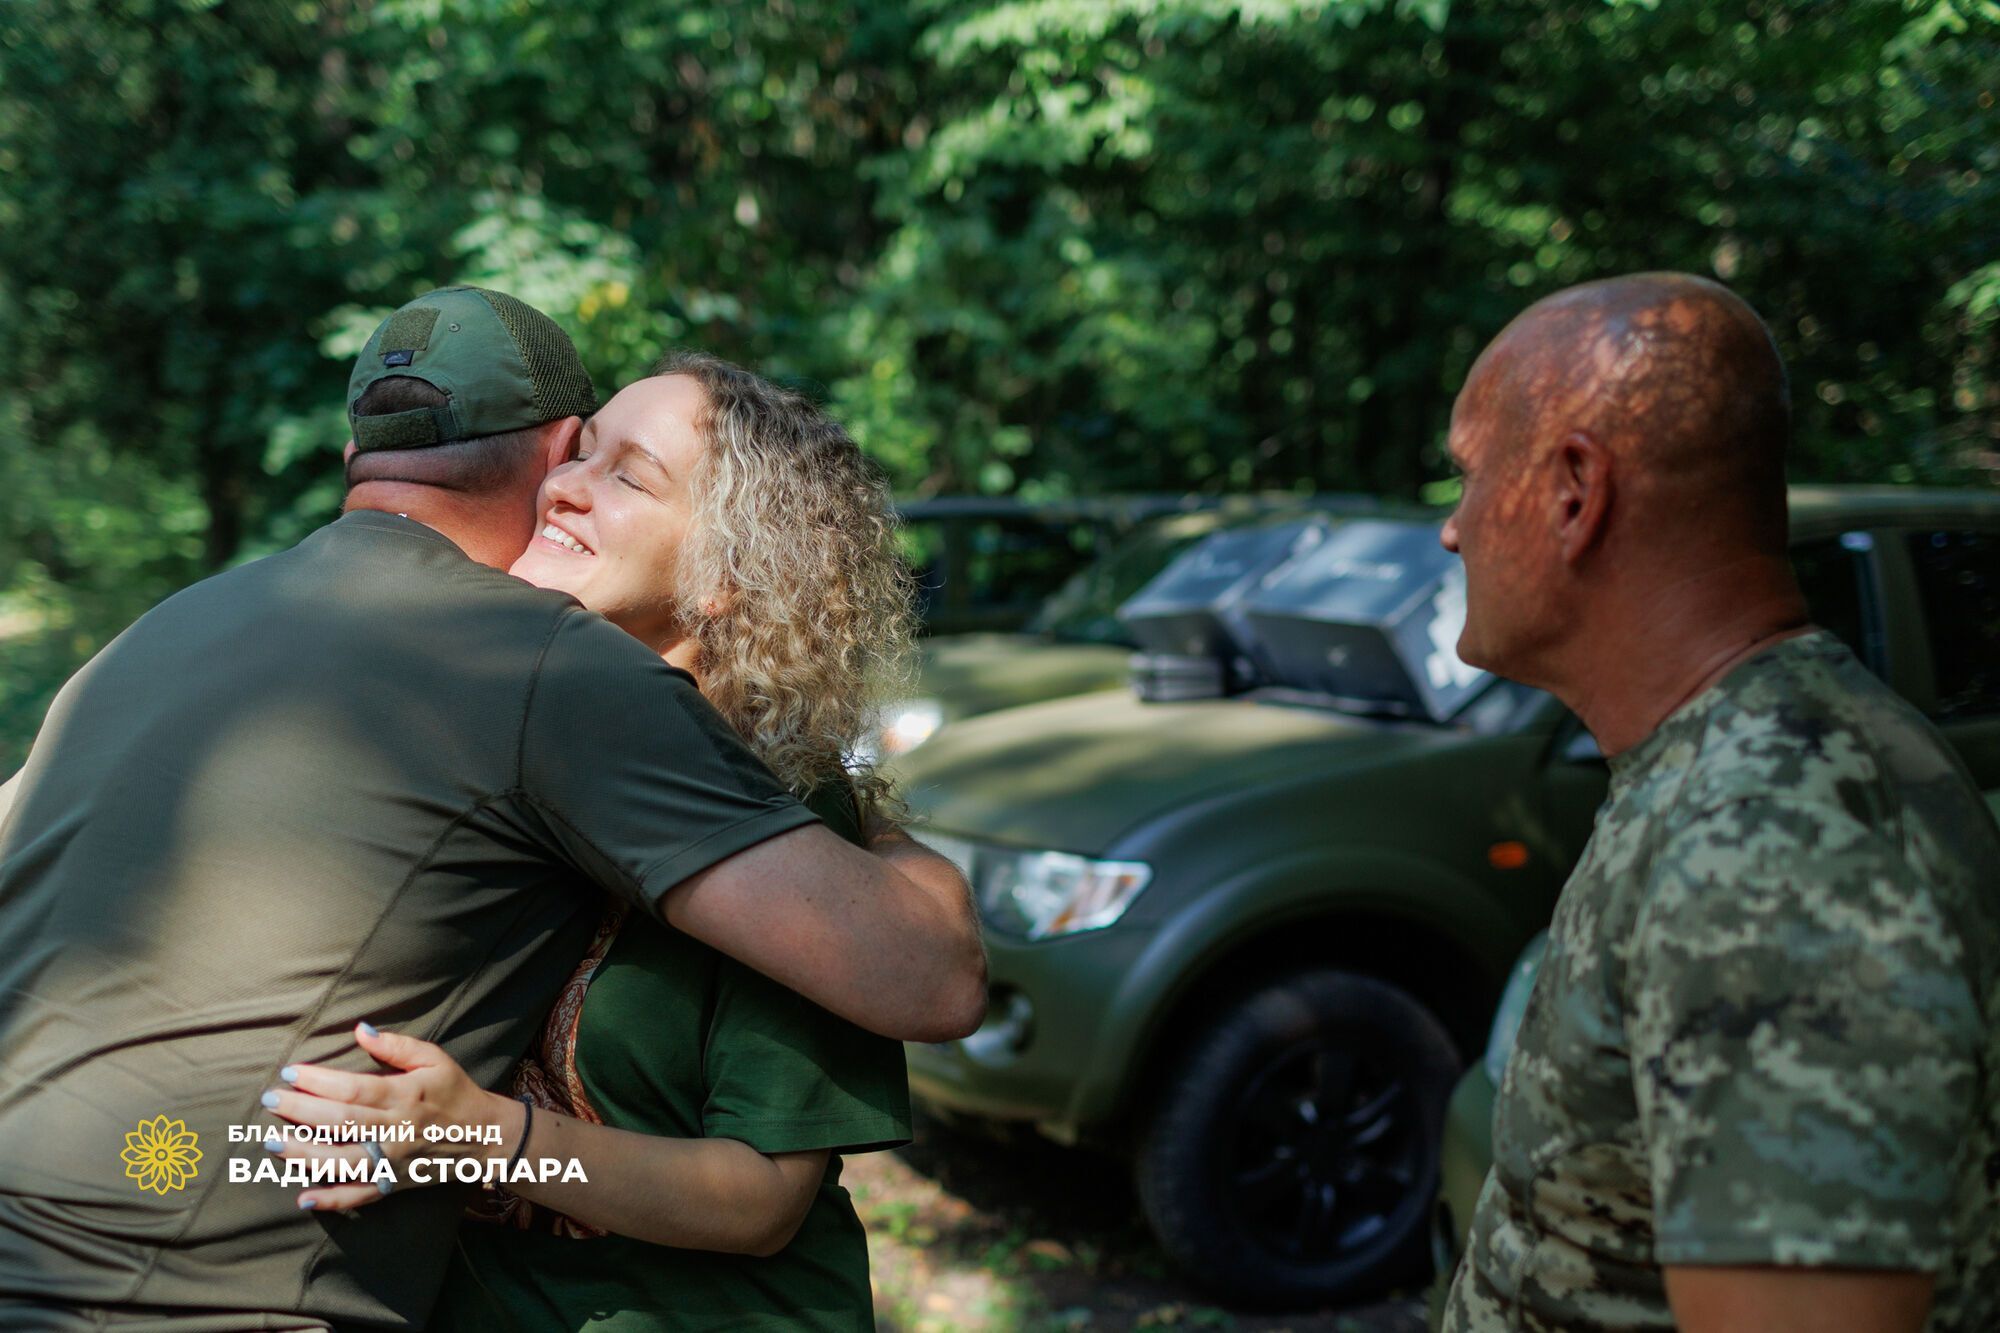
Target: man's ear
(559, 443)
(1583, 493)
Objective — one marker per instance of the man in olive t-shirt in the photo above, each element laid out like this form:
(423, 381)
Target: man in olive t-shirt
(372, 778)
(1755, 1086)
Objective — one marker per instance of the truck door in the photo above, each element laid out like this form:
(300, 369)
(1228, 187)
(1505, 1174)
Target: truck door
(1953, 578)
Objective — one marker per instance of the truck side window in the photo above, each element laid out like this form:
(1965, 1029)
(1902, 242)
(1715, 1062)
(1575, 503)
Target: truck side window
(1958, 584)
(1830, 573)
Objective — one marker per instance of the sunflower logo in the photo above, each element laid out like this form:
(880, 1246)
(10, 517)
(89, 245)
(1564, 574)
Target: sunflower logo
(161, 1154)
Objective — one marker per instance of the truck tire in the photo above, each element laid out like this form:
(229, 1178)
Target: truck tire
(1293, 1157)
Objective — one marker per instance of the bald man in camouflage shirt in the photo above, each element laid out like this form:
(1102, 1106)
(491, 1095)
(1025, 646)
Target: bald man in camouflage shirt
(1756, 1086)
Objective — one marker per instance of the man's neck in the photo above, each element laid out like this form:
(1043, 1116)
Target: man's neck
(488, 533)
(1660, 651)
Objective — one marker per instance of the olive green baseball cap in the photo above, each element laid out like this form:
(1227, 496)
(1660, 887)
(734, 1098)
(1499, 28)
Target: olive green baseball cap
(502, 365)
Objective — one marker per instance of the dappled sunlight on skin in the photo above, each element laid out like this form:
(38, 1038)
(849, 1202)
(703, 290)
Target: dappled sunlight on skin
(1506, 554)
(1677, 384)
(1674, 373)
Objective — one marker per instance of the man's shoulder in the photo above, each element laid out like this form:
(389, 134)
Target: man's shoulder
(400, 573)
(1815, 762)
(375, 558)
(1804, 728)
(592, 679)
(348, 590)
(586, 651)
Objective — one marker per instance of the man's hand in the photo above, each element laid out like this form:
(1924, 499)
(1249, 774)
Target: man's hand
(886, 938)
(1797, 1300)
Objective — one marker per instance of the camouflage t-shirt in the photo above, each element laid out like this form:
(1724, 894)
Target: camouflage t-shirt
(1767, 1027)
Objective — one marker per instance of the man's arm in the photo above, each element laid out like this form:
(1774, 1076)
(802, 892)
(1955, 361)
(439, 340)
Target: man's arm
(1797, 1300)
(629, 775)
(887, 938)
(1805, 1045)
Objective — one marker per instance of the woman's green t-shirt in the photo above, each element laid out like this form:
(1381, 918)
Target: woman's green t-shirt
(675, 1038)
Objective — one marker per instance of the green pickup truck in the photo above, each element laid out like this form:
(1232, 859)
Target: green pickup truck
(987, 563)
(1249, 921)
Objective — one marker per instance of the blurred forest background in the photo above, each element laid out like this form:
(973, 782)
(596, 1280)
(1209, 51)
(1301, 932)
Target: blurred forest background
(1036, 247)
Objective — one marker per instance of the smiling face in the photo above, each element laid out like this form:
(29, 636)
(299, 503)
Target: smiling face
(613, 521)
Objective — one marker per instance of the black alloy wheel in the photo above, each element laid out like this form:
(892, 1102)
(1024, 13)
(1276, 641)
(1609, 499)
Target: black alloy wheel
(1325, 1146)
(1293, 1160)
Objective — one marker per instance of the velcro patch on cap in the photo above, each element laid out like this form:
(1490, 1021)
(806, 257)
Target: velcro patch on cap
(408, 331)
(399, 430)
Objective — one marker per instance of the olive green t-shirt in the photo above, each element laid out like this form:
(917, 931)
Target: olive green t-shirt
(364, 779)
(1767, 1026)
(675, 1039)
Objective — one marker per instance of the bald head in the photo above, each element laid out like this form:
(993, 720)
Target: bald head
(1622, 445)
(1674, 374)
(1622, 514)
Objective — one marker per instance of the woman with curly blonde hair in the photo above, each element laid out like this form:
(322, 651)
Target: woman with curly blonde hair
(798, 605)
(739, 531)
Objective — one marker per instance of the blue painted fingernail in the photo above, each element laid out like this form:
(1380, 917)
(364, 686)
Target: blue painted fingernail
(270, 1099)
(274, 1145)
(308, 1203)
(368, 1029)
(290, 1073)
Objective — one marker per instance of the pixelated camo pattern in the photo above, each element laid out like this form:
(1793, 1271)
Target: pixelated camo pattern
(1767, 1027)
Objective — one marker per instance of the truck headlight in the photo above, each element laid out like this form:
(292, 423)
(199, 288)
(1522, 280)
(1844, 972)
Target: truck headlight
(1040, 894)
(1037, 895)
(1513, 1007)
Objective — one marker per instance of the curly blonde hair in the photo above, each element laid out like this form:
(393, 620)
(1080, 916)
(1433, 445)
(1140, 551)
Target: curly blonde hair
(791, 583)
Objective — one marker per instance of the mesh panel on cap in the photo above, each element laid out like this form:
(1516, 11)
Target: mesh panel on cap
(562, 388)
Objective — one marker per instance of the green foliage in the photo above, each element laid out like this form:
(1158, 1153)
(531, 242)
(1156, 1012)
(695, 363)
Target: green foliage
(1026, 246)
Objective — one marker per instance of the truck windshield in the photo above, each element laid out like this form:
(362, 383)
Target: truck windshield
(1085, 609)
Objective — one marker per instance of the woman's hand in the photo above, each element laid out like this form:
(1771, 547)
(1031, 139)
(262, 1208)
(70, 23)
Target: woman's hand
(447, 1111)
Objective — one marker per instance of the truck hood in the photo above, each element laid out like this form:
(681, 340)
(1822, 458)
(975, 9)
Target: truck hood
(970, 674)
(1074, 774)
